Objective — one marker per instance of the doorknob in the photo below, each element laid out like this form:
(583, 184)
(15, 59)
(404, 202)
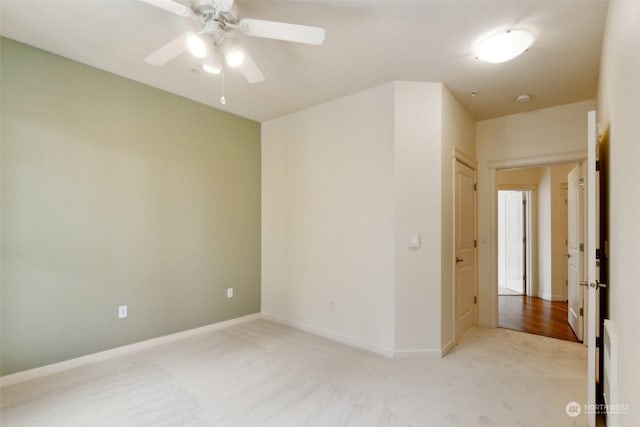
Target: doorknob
(459, 260)
(596, 285)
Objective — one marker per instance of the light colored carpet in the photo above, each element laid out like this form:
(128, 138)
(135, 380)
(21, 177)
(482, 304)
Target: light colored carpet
(265, 374)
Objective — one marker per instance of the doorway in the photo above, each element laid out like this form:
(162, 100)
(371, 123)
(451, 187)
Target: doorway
(531, 250)
(513, 242)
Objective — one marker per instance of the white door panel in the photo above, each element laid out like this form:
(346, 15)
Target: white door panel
(465, 251)
(514, 234)
(575, 256)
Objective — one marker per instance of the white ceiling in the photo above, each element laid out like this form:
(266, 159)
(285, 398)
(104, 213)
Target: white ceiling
(367, 43)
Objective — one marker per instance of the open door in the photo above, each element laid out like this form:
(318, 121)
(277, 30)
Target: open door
(592, 284)
(575, 243)
(514, 241)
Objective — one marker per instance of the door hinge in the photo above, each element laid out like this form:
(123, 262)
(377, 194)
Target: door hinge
(524, 278)
(598, 341)
(475, 187)
(581, 311)
(597, 165)
(581, 247)
(598, 253)
(475, 243)
(475, 299)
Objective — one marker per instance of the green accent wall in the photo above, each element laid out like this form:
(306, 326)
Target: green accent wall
(114, 193)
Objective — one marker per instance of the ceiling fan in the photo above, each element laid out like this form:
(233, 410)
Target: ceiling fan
(216, 39)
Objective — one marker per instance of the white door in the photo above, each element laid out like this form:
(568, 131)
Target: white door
(514, 241)
(575, 256)
(465, 232)
(592, 267)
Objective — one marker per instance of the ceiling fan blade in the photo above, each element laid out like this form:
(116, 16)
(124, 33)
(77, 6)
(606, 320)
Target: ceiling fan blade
(171, 6)
(282, 31)
(170, 50)
(250, 70)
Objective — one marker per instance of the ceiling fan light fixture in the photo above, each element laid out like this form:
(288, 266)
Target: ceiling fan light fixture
(235, 58)
(197, 46)
(213, 63)
(504, 46)
(233, 53)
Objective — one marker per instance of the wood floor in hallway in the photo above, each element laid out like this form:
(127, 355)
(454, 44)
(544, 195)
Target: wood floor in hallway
(535, 316)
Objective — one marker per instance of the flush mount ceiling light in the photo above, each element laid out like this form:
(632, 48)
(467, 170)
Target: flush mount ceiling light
(504, 46)
(521, 99)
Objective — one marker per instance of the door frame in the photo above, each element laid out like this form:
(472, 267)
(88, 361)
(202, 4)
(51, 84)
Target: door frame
(459, 156)
(493, 167)
(530, 222)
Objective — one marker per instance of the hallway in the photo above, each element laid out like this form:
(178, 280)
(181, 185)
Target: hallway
(535, 316)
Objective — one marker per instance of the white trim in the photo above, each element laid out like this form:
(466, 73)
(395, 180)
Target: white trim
(42, 371)
(382, 351)
(551, 297)
(516, 187)
(447, 348)
(527, 162)
(465, 158)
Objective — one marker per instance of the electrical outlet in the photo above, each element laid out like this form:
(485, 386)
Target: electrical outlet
(229, 292)
(122, 312)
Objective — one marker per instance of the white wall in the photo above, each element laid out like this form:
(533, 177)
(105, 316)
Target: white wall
(417, 143)
(551, 131)
(552, 226)
(345, 185)
(328, 218)
(618, 111)
(559, 179)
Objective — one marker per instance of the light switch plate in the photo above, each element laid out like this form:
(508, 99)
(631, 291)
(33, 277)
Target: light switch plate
(122, 312)
(414, 241)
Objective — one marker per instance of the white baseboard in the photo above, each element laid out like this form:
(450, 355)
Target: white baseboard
(545, 296)
(42, 371)
(549, 297)
(425, 353)
(386, 352)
